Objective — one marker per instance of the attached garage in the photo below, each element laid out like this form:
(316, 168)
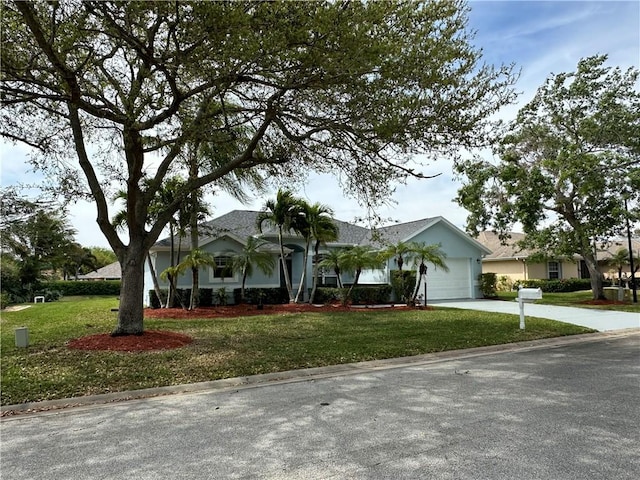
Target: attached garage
(463, 257)
(454, 284)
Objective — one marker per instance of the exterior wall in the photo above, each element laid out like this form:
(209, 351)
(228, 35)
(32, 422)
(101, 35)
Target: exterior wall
(219, 246)
(519, 270)
(514, 269)
(455, 246)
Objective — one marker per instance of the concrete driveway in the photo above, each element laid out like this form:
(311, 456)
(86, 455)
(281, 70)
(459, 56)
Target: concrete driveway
(568, 410)
(601, 320)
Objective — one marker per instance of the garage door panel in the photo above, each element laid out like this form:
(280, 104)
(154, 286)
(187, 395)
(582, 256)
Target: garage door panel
(456, 283)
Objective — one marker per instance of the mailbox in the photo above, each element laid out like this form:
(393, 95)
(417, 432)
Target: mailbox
(525, 294)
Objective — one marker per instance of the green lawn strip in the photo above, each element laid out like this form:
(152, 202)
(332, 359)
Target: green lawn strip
(224, 348)
(574, 299)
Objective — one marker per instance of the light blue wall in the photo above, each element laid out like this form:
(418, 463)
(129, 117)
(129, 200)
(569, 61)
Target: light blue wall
(221, 246)
(454, 245)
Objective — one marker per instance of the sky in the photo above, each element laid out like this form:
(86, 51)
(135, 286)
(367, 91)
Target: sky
(540, 37)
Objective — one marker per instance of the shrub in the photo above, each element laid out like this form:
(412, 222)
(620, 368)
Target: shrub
(558, 286)
(4, 300)
(70, 287)
(206, 297)
(326, 295)
(488, 284)
(221, 296)
(403, 283)
(371, 295)
(153, 298)
(266, 296)
(505, 284)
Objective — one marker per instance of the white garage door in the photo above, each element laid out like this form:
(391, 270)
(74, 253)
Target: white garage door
(456, 283)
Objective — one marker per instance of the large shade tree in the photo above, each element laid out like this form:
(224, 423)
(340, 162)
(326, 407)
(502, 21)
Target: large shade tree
(565, 167)
(117, 89)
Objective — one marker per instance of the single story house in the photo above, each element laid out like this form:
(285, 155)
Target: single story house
(512, 261)
(228, 233)
(113, 271)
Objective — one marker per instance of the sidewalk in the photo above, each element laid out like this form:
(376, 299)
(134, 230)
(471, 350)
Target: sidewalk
(601, 320)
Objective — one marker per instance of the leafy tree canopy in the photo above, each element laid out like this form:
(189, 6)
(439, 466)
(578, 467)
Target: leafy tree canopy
(566, 165)
(352, 88)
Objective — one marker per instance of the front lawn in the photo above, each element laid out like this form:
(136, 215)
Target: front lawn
(231, 347)
(575, 299)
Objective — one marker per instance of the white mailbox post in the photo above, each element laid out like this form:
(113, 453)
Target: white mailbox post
(527, 295)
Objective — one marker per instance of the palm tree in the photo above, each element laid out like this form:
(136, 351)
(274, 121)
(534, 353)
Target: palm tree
(332, 260)
(399, 252)
(312, 221)
(356, 259)
(194, 261)
(252, 254)
(324, 230)
(621, 260)
(424, 254)
(77, 258)
(282, 214)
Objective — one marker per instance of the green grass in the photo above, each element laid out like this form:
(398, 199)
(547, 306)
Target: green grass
(225, 348)
(574, 299)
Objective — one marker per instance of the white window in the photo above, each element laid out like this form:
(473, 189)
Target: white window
(222, 269)
(326, 276)
(554, 270)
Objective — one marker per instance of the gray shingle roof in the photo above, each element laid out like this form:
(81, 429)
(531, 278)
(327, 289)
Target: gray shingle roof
(242, 224)
(399, 232)
(109, 272)
(500, 251)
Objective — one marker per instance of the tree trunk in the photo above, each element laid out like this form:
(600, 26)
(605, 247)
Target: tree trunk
(597, 278)
(287, 280)
(303, 277)
(154, 279)
(244, 280)
(314, 286)
(130, 311)
(172, 263)
(193, 229)
(355, 282)
(195, 289)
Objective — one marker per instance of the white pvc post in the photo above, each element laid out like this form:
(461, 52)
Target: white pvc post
(22, 337)
(521, 303)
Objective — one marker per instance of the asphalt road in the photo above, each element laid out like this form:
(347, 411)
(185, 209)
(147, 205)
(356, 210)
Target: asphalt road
(569, 412)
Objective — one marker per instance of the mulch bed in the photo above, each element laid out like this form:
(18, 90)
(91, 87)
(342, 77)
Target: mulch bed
(149, 340)
(165, 340)
(231, 311)
(602, 302)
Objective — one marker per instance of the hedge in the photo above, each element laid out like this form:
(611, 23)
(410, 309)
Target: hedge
(364, 295)
(72, 287)
(206, 297)
(558, 286)
(266, 296)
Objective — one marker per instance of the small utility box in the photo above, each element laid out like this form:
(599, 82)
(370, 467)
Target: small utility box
(527, 295)
(22, 337)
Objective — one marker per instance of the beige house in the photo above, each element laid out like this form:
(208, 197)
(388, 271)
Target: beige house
(512, 262)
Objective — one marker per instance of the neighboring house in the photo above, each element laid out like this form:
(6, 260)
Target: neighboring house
(112, 271)
(513, 262)
(228, 233)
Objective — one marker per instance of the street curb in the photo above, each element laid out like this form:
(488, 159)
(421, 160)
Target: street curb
(291, 376)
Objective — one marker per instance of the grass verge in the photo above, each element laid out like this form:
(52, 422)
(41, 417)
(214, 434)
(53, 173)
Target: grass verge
(575, 299)
(225, 348)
